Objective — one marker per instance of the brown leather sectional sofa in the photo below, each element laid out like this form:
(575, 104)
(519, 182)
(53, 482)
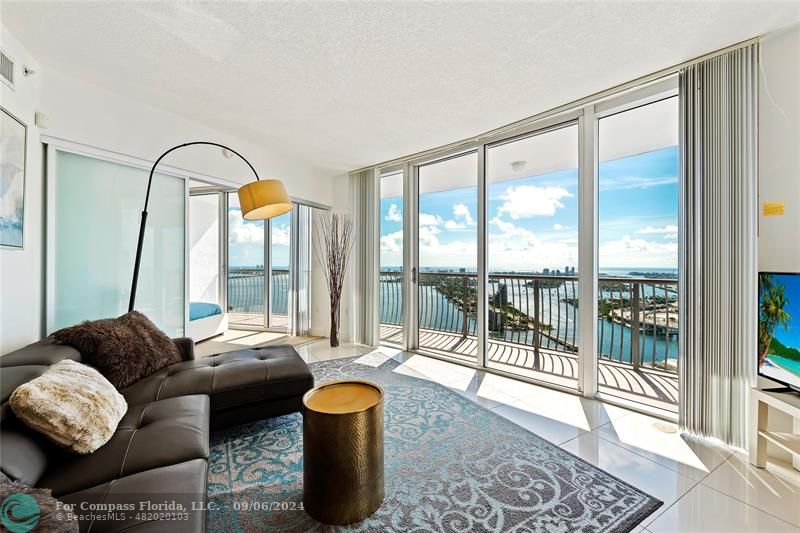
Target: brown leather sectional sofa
(158, 456)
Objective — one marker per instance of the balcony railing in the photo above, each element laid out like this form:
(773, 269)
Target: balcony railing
(246, 291)
(637, 317)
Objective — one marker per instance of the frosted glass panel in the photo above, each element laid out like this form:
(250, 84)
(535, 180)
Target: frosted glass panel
(97, 212)
(204, 244)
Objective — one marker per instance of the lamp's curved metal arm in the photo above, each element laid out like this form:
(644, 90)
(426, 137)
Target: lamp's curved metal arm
(143, 223)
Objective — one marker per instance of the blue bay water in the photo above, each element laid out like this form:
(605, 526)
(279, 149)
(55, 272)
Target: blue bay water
(436, 312)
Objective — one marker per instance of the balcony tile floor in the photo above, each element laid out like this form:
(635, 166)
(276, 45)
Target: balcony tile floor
(654, 388)
(705, 486)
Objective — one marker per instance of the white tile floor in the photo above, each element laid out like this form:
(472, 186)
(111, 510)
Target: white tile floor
(705, 487)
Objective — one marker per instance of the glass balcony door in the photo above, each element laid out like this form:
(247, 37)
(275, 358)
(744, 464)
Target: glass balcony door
(532, 255)
(391, 277)
(447, 275)
(258, 268)
(549, 253)
(638, 254)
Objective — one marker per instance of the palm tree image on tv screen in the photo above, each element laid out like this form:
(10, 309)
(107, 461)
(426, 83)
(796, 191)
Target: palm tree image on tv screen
(778, 336)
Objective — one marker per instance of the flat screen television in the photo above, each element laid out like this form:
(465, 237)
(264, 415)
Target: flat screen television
(779, 328)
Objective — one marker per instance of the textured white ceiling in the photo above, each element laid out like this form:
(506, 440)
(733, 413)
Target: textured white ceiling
(349, 84)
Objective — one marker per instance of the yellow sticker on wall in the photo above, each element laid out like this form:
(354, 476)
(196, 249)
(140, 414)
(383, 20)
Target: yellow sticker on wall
(773, 209)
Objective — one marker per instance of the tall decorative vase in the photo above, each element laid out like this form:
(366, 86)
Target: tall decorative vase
(333, 241)
(334, 324)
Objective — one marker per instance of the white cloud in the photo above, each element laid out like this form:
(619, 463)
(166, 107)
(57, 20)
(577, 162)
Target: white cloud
(392, 243)
(521, 237)
(462, 218)
(394, 214)
(528, 201)
(462, 211)
(516, 248)
(630, 252)
(242, 232)
(280, 235)
(668, 229)
(560, 227)
(427, 219)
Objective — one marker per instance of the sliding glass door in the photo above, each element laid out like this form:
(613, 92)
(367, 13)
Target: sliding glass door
(258, 269)
(279, 257)
(390, 282)
(549, 252)
(532, 255)
(94, 209)
(638, 254)
(447, 277)
(247, 290)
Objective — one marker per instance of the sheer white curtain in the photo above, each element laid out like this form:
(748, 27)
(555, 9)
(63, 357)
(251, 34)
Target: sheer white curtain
(718, 107)
(364, 209)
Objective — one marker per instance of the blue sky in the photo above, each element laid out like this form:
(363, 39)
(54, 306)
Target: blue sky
(791, 336)
(533, 221)
(246, 240)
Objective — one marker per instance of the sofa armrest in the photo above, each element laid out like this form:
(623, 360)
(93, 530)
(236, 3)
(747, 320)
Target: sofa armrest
(185, 347)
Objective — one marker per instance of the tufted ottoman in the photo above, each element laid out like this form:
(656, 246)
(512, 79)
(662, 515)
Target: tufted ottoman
(244, 385)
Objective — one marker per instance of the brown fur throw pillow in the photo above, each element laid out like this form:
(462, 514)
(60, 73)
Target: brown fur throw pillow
(35, 509)
(124, 349)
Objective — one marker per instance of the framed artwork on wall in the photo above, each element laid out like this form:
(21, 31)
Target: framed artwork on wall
(13, 138)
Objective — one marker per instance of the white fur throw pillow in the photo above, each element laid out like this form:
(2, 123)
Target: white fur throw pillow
(71, 404)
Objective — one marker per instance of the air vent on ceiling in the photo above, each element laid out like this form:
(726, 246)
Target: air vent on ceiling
(6, 69)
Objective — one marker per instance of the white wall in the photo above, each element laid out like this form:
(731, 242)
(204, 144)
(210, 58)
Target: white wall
(21, 270)
(320, 301)
(85, 113)
(204, 248)
(779, 166)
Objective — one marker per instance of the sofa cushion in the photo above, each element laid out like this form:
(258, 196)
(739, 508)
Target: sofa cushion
(231, 379)
(124, 349)
(151, 435)
(24, 453)
(44, 353)
(71, 404)
(183, 483)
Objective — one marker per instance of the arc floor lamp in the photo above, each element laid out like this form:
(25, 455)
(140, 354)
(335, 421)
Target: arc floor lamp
(259, 200)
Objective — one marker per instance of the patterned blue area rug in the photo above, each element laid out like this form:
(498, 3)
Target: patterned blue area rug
(450, 465)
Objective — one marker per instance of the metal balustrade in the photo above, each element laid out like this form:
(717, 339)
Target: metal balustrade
(535, 311)
(541, 312)
(246, 291)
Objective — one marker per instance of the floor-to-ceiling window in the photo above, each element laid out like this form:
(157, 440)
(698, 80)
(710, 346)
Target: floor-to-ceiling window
(447, 257)
(246, 267)
(280, 241)
(390, 287)
(258, 269)
(638, 253)
(532, 255)
(503, 229)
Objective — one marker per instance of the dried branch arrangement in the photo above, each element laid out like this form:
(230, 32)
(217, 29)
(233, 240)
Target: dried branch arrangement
(333, 241)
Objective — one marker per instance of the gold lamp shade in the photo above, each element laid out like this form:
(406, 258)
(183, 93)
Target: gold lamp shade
(264, 199)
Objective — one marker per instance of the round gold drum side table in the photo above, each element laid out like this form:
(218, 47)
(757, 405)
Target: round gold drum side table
(343, 451)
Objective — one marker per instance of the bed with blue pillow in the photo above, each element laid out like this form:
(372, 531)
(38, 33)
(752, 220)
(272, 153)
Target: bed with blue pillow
(206, 320)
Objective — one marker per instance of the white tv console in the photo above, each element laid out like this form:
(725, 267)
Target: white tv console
(760, 402)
